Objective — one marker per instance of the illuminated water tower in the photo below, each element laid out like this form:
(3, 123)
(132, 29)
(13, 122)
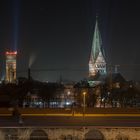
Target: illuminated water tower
(11, 66)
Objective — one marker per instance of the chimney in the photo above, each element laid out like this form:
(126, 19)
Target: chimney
(116, 68)
(29, 74)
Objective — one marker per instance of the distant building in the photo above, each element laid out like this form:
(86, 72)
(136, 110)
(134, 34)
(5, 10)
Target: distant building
(97, 63)
(11, 66)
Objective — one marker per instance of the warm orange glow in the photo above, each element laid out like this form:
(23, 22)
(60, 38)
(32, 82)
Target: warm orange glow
(11, 53)
(84, 93)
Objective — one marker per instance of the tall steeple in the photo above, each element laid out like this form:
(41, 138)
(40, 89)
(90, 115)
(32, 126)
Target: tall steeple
(97, 63)
(11, 66)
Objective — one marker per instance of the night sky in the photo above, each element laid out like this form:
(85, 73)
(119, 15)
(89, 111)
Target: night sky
(54, 37)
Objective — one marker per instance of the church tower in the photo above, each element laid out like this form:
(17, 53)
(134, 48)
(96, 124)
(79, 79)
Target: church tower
(97, 63)
(11, 67)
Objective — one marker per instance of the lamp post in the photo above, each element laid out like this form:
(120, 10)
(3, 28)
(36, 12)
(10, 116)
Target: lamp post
(84, 109)
(84, 103)
(9, 137)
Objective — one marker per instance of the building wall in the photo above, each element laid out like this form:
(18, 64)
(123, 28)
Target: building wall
(71, 134)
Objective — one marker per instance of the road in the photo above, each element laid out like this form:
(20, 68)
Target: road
(70, 121)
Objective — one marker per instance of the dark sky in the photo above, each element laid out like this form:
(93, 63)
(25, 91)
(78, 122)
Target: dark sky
(56, 35)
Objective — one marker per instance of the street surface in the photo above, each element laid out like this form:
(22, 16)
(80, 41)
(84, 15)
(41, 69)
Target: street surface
(30, 117)
(70, 121)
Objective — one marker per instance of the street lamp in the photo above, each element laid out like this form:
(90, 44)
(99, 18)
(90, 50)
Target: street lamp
(84, 103)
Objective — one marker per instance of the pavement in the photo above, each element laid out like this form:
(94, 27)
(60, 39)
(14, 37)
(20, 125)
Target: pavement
(68, 118)
(72, 121)
(72, 112)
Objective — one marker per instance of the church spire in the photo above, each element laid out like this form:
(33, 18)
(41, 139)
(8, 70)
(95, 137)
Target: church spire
(97, 62)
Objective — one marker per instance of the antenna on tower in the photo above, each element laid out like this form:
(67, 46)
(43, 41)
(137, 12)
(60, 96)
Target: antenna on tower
(97, 4)
(97, 15)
